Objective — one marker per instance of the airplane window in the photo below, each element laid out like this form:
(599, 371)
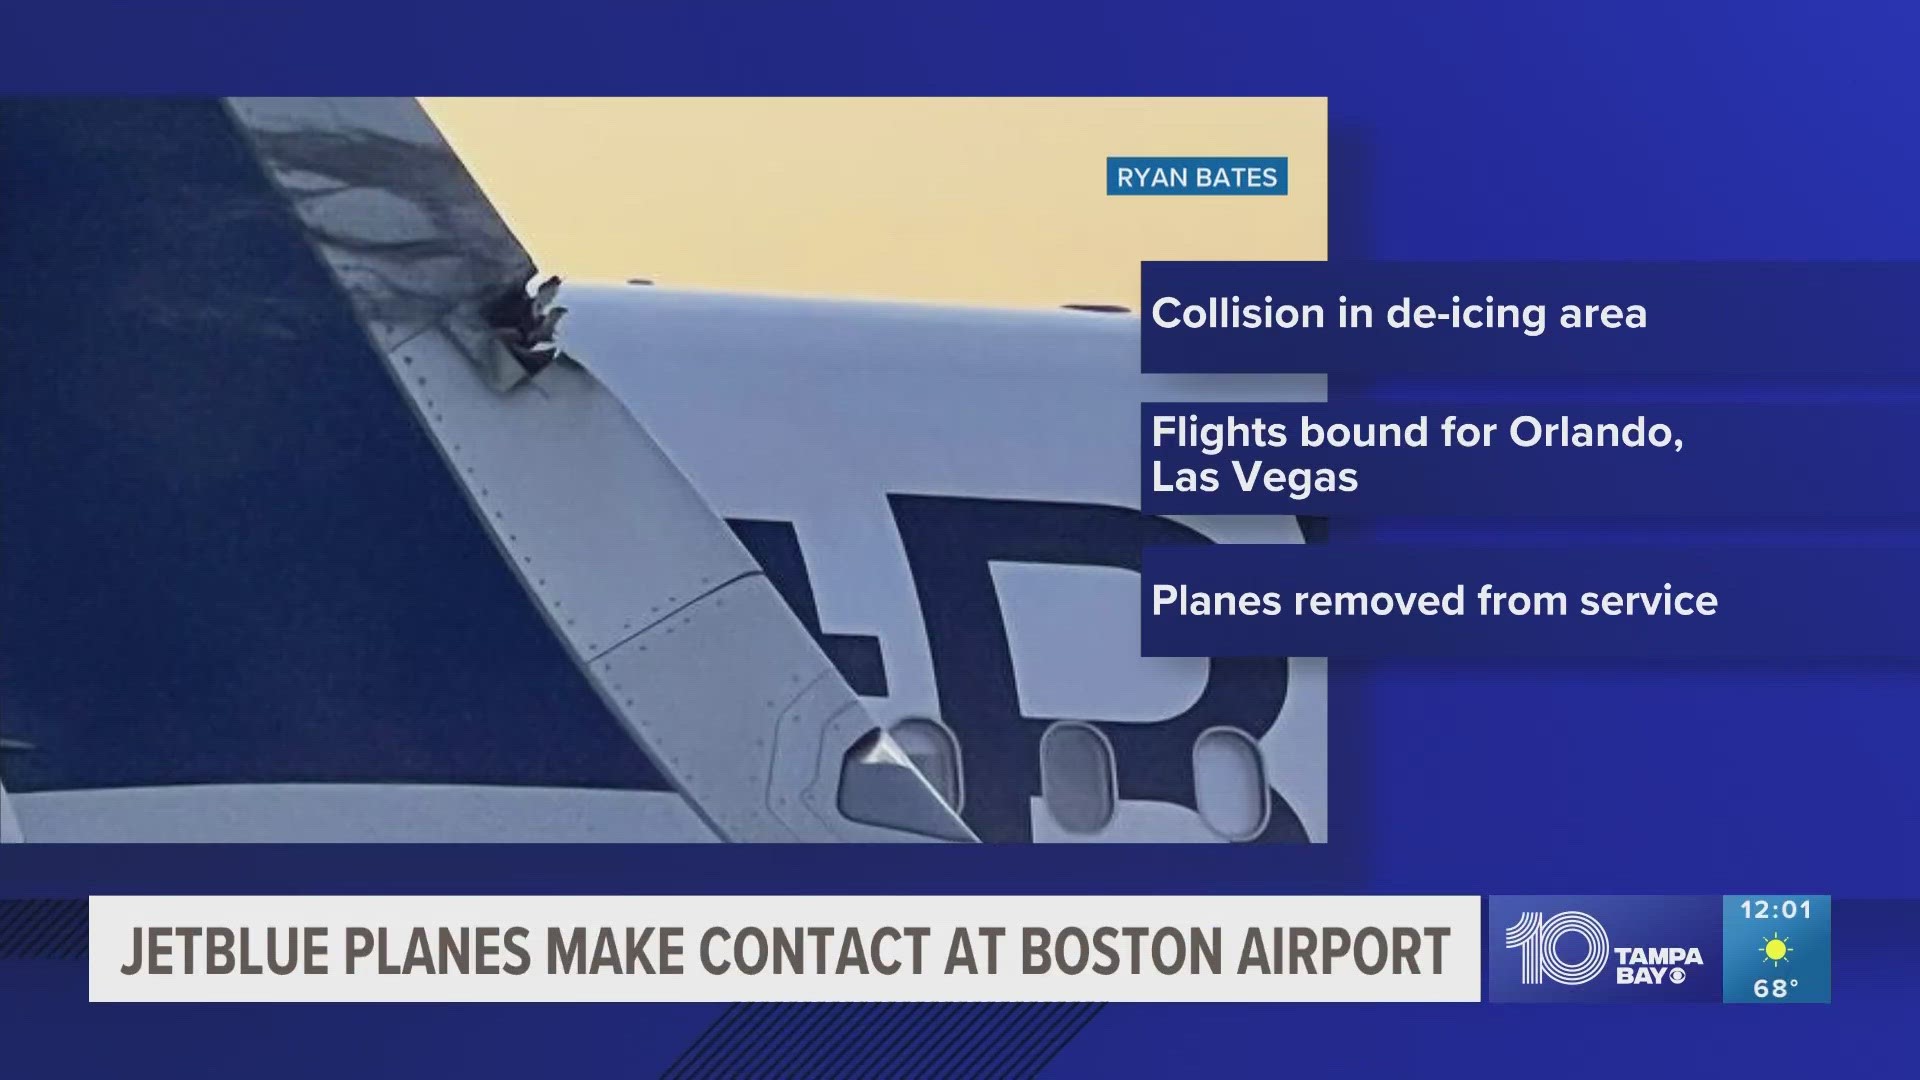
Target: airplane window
(1076, 777)
(933, 750)
(1230, 783)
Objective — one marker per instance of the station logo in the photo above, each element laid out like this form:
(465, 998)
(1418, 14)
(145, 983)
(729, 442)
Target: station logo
(1603, 948)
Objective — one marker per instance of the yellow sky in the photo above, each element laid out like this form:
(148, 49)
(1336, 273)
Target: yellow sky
(993, 200)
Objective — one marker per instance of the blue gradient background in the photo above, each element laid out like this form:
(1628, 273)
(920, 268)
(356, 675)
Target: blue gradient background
(1493, 131)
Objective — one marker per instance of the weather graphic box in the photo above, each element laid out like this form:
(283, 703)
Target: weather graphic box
(1779, 949)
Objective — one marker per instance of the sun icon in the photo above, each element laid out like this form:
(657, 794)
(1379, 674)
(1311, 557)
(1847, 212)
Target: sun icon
(1776, 949)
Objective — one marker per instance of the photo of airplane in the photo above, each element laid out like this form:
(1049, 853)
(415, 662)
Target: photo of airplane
(326, 515)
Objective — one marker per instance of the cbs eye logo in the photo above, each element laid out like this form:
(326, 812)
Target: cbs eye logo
(1538, 940)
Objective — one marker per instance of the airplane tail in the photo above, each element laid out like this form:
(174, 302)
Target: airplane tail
(295, 490)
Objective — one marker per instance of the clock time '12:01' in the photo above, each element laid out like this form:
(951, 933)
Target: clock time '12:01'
(1784, 909)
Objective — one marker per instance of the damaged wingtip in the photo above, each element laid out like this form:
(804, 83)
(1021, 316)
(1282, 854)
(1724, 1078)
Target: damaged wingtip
(405, 228)
(525, 319)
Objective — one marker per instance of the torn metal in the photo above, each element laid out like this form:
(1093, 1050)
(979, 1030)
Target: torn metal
(409, 234)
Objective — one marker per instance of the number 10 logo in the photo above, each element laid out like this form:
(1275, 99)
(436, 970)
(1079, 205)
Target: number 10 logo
(1538, 940)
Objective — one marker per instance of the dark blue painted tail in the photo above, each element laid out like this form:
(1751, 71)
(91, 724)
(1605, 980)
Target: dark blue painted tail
(227, 552)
